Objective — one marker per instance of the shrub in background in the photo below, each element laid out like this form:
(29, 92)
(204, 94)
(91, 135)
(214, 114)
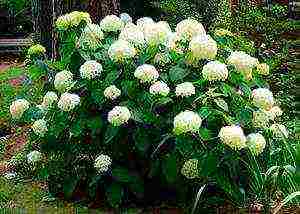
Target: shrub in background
(142, 114)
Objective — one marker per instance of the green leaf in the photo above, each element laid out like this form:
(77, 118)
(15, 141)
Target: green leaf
(114, 194)
(111, 77)
(204, 112)
(222, 104)
(121, 174)
(111, 132)
(137, 115)
(176, 73)
(205, 134)
(170, 168)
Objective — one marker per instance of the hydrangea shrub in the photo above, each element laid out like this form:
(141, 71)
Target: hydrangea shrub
(138, 112)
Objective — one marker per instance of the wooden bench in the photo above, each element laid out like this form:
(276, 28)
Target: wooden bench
(13, 45)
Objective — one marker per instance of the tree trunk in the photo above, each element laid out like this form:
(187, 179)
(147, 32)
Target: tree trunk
(99, 9)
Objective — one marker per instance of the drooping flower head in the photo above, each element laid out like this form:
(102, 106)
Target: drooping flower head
(214, 71)
(189, 28)
(18, 107)
(185, 89)
(72, 20)
(102, 163)
(112, 92)
(159, 88)
(256, 143)
(68, 101)
(121, 50)
(146, 73)
(263, 98)
(203, 47)
(90, 70)
(190, 169)
(233, 136)
(49, 99)
(111, 23)
(274, 112)
(119, 115)
(39, 127)
(187, 121)
(63, 81)
(243, 62)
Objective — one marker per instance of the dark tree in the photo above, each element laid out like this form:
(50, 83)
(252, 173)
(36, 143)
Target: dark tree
(101, 8)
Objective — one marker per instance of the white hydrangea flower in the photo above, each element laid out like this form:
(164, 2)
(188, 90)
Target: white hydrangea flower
(36, 50)
(275, 111)
(49, 99)
(157, 33)
(261, 119)
(233, 136)
(90, 70)
(203, 47)
(243, 62)
(185, 89)
(263, 98)
(34, 156)
(159, 88)
(121, 50)
(102, 163)
(119, 115)
(146, 73)
(189, 28)
(39, 127)
(214, 71)
(18, 107)
(63, 81)
(68, 102)
(279, 130)
(190, 169)
(112, 92)
(126, 18)
(91, 37)
(187, 121)
(111, 23)
(256, 143)
(143, 22)
(263, 69)
(71, 20)
(132, 34)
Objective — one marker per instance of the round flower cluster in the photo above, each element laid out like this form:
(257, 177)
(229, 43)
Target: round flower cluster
(261, 119)
(102, 163)
(263, 98)
(91, 37)
(233, 136)
(146, 73)
(34, 156)
(243, 62)
(126, 18)
(121, 50)
(132, 34)
(71, 20)
(189, 28)
(279, 130)
(49, 99)
(90, 69)
(39, 127)
(274, 112)
(143, 22)
(222, 32)
(111, 23)
(190, 169)
(119, 115)
(214, 71)
(112, 92)
(157, 33)
(18, 107)
(159, 88)
(63, 81)
(68, 102)
(203, 47)
(263, 69)
(185, 89)
(256, 143)
(36, 50)
(187, 121)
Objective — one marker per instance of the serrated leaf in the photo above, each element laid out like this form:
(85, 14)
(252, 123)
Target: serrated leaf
(176, 73)
(114, 194)
(222, 104)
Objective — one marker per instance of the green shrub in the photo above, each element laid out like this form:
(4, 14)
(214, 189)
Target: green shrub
(117, 133)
